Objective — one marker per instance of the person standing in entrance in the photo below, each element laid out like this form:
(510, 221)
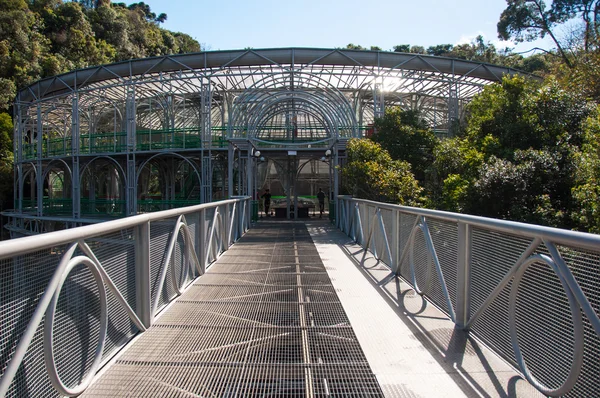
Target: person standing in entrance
(321, 197)
(267, 198)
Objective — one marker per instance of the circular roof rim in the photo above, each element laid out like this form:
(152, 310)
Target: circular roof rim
(270, 56)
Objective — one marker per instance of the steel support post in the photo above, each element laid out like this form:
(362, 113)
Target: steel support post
(201, 238)
(230, 162)
(249, 178)
(131, 191)
(75, 148)
(40, 183)
(463, 285)
(395, 241)
(142, 274)
(336, 184)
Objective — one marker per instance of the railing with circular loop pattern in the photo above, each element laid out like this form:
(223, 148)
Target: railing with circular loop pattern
(531, 293)
(71, 299)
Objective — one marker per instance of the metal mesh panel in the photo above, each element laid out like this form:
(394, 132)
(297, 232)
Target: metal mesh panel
(445, 240)
(370, 213)
(22, 282)
(423, 266)
(387, 217)
(116, 253)
(492, 256)
(209, 216)
(76, 326)
(160, 233)
(193, 221)
(406, 225)
(543, 315)
(585, 266)
(178, 263)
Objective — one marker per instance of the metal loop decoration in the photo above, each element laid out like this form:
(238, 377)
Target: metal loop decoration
(49, 329)
(577, 328)
(189, 257)
(411, 264)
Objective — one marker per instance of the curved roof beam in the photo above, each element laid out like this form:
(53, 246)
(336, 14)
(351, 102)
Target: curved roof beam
(286, 58)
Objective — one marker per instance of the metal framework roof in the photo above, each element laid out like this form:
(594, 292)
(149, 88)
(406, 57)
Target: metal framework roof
(239, 69)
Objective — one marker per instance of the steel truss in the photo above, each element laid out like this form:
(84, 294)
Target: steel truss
(151, 134)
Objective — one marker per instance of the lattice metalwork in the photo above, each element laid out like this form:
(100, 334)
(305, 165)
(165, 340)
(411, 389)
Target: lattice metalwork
(531, 293)
(99, 137)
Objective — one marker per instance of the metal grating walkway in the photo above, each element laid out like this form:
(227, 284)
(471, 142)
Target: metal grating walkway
(265, 321)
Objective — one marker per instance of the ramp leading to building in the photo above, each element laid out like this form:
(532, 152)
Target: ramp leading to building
(264, 321)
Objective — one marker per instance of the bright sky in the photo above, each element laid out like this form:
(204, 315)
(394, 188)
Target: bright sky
(238, 24)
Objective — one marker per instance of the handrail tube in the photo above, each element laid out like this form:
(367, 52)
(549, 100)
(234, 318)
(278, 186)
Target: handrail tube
(560, 236)
(30, 244)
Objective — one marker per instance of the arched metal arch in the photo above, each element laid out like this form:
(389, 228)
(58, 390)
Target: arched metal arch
(288, 86)
(48, 168)
(147, 161)
(119, 168)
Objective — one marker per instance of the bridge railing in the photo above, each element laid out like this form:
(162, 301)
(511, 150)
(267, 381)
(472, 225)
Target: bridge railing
(69, 300)
(530, 293)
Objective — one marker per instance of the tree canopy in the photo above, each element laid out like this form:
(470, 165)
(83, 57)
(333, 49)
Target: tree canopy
(47, 37)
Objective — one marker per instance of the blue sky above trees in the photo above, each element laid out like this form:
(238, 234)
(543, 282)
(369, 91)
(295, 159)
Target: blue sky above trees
(240, 24)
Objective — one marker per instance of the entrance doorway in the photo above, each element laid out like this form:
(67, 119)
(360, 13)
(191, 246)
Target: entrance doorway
(294, 182)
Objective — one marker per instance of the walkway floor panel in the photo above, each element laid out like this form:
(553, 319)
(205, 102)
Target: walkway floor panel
(411, 346)
(265, 320)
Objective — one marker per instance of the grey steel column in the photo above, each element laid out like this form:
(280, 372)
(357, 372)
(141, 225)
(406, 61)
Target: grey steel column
(249, 178)
(38, 176)
(335, 184)
(230, 161)
(75, 188)
(131, 191)
(18, 151)
(142, 274)
(463, 284)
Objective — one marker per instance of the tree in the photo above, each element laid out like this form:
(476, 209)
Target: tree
(352, 46)
(402, 48)
(6, 161)
(528, 20)
(587, 10)
(440, 49)
(370, 173)
(407, 137)
(586, 187)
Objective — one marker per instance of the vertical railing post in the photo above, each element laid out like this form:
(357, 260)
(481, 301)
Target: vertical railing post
(463, 286)
(142, 273)
(202, 239)
(395, 241)
(227, 221)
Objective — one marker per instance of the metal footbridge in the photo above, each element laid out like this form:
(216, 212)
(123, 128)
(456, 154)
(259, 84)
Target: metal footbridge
(386, 301)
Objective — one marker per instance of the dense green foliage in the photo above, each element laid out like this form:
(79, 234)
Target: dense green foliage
(529, 152)
(41, 38)
(371, 173)
(47, 37)
(406, 137)
(6, 162)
